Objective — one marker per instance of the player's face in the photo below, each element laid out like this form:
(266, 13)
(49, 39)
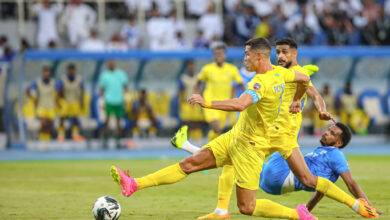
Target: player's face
(250, 59)
(331, 137)
(46, 74)
(285, 55)
(219, 55)
(190, 67)
(71, 71)
(111, 64)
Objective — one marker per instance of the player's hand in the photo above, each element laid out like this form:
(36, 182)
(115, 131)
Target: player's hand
(326, 116)
(196, 99)
(295, 107)
(311, 69)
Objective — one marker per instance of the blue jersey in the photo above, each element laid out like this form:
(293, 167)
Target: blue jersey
(326, 162)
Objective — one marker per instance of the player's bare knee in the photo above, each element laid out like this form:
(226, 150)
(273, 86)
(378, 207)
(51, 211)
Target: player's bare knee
(187, 165)
(246, 209)
(308, 181)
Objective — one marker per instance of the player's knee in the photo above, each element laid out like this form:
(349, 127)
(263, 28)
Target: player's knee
(308, 181)
(246, 209)
(188, 165)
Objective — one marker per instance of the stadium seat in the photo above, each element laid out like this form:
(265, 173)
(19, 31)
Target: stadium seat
(333, 71)
(372, 73)
(371, 102)
(160, 75)
(305, 61)
(199, 63)
(161, 103)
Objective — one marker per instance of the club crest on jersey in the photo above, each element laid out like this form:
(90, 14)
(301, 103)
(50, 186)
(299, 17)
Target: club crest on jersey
(256, 86)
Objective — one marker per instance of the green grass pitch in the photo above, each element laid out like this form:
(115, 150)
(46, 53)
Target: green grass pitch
(68, 189)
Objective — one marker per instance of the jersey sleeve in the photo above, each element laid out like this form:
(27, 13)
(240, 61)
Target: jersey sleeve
(338, 162)
(256, 89)
(181, 84)
(289, 75)
(202, 76)
(33, 85)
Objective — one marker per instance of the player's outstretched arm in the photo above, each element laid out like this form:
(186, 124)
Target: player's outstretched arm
(353, 186)
(314, 200)
(235, 104)
(319, 104)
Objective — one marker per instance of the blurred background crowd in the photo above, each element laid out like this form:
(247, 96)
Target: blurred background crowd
(153, 90)
(185, 24)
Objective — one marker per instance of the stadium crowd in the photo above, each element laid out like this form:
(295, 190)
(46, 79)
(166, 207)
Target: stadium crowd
(320, 22)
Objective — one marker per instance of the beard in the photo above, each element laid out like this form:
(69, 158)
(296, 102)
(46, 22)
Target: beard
(287, 64)
(324, 143)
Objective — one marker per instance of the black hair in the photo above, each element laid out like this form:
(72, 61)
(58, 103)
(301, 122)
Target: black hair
(259, 44)
(346, 135)
(287, 41)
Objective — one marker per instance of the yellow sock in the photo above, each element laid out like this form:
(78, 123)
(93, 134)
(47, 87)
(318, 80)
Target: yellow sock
(332, 191)
(75, 130)
(225, 187)
(47, 137)
(269, 209)
(42, 136)
(153, 130)
(168, 175)
(211, 135)
(61, 131)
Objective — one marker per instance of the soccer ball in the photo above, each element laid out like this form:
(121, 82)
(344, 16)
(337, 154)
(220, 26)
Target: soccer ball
(106, 208)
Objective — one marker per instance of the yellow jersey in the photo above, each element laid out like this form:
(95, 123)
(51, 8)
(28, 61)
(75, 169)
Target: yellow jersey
(219, 80)
(286, 122)
(267, 91)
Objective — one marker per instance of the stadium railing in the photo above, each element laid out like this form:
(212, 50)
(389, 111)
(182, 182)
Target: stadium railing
(158, 72)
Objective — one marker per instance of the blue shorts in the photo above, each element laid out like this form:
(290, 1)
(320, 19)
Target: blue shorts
(274, 173)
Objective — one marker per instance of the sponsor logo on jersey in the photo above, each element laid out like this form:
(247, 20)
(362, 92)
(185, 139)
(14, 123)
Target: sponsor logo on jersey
(256, 86)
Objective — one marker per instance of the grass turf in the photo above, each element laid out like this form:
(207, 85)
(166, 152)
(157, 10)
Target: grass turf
(68, 189)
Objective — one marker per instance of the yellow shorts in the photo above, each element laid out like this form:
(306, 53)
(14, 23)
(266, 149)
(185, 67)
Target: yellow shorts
(246, 159)
(215, 115)
(283, 142)
(46, 113)
(190, 113)
(69, 109)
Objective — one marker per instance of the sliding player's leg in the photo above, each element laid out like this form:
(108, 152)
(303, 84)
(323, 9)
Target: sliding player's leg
(213, 155)
(298, 166)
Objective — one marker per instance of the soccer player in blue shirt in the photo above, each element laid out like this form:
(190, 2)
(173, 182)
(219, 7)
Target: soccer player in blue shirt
(327, 161)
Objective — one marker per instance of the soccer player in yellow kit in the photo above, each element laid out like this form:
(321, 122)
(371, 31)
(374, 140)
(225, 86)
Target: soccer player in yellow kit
(218, 78)
(245, 145)
(283, 137)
